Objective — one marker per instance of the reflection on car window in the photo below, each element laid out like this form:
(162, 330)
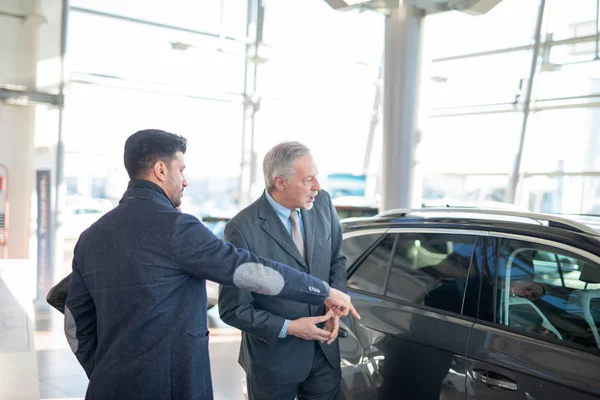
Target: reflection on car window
(549, 292)
(371, 273)
(431, 269)
(353, 247)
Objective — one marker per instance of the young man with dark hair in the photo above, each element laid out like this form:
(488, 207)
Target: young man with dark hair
(135, 313)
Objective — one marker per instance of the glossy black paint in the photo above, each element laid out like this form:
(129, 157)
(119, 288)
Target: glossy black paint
(397, 352)
(402, 351)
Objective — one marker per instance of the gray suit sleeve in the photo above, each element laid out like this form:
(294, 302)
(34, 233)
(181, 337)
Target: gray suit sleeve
(337, 270)
(201, 254)
(236, 305)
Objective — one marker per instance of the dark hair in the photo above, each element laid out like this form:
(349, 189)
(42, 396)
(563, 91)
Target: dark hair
(144, 148)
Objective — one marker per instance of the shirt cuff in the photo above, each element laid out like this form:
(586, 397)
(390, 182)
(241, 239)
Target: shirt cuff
(283, 332)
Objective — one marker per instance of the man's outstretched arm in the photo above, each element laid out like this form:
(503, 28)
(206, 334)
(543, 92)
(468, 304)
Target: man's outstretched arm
(202, 254)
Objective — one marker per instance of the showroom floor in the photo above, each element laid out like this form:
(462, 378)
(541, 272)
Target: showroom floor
(61, 377)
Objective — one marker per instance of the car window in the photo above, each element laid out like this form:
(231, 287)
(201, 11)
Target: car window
(353, 247)
(370, 275)
(432, 270)
(549, 292)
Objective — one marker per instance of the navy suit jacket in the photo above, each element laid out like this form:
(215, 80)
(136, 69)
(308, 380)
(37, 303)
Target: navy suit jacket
(135, 313)
(265, 357)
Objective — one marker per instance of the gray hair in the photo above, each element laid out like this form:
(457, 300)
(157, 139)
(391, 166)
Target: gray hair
(279, 161)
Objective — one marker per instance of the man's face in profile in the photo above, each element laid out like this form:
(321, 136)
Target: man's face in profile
(531, 291)
(175, 182)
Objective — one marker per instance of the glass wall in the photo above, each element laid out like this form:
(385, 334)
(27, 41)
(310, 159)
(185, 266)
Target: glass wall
(319, 82)
(138, 64)
(479, 68)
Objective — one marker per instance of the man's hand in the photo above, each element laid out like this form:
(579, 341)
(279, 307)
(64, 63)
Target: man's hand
(332, 325)
(339, 302)
(306, 328)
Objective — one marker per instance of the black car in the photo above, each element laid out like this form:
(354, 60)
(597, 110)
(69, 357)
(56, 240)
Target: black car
(471, 304)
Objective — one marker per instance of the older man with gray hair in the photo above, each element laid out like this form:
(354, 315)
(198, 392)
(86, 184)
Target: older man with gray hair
(288, 349)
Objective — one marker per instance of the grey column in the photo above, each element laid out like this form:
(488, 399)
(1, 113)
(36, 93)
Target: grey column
(403, 32)
(251, 101)
(18, 66)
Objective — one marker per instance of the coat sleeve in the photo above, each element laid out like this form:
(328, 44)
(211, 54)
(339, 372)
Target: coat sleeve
(201, 254)
(57, 295)
(236, 306)
(80, 321)
(337, 269)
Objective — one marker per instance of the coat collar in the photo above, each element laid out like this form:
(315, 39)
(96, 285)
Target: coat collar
(272, 225)
(146, 193)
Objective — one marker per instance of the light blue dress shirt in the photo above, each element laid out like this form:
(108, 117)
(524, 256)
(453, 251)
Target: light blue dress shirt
(284, 215)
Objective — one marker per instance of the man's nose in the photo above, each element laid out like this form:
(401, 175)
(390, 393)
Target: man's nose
(316, 185)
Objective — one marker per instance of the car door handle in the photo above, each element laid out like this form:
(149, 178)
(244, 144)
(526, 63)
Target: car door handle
(342, 333)
(499, 382)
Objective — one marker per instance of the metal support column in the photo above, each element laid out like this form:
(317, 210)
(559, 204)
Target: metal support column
(60, 193)
(251, 101)
(511, 194)
(375, 118)
(403, 33)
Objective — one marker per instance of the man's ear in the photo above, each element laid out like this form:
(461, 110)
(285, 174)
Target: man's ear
(280, 183)
(160, 171)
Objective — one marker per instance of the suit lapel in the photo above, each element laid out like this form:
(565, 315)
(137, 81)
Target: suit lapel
(308, 219)
(273, 227)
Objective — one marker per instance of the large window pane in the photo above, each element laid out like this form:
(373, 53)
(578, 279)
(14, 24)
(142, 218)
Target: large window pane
(566, 19)
(489, 79)
(203, 15)
(458, 189)
(559, 81)
(318, 82)
(337, 140)
(562, 194)
(98, 119)
(510, 23)
(476, 143)
(566, 140)
(314, 31)
(143, 53)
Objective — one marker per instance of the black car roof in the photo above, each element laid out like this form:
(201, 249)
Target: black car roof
(547, 226)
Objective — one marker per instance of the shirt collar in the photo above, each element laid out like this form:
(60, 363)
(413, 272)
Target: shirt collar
(281, 211)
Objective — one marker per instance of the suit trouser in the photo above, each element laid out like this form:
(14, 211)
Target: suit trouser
(323, 383)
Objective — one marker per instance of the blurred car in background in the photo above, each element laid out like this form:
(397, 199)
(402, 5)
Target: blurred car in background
(80, 213)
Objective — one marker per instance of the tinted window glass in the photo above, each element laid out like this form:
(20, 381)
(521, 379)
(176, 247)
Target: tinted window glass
(353, 247)
(371, 273)
(549, 292)
(431, 269)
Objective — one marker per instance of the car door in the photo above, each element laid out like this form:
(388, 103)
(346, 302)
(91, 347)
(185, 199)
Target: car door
(410, 288)
(536, 336)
